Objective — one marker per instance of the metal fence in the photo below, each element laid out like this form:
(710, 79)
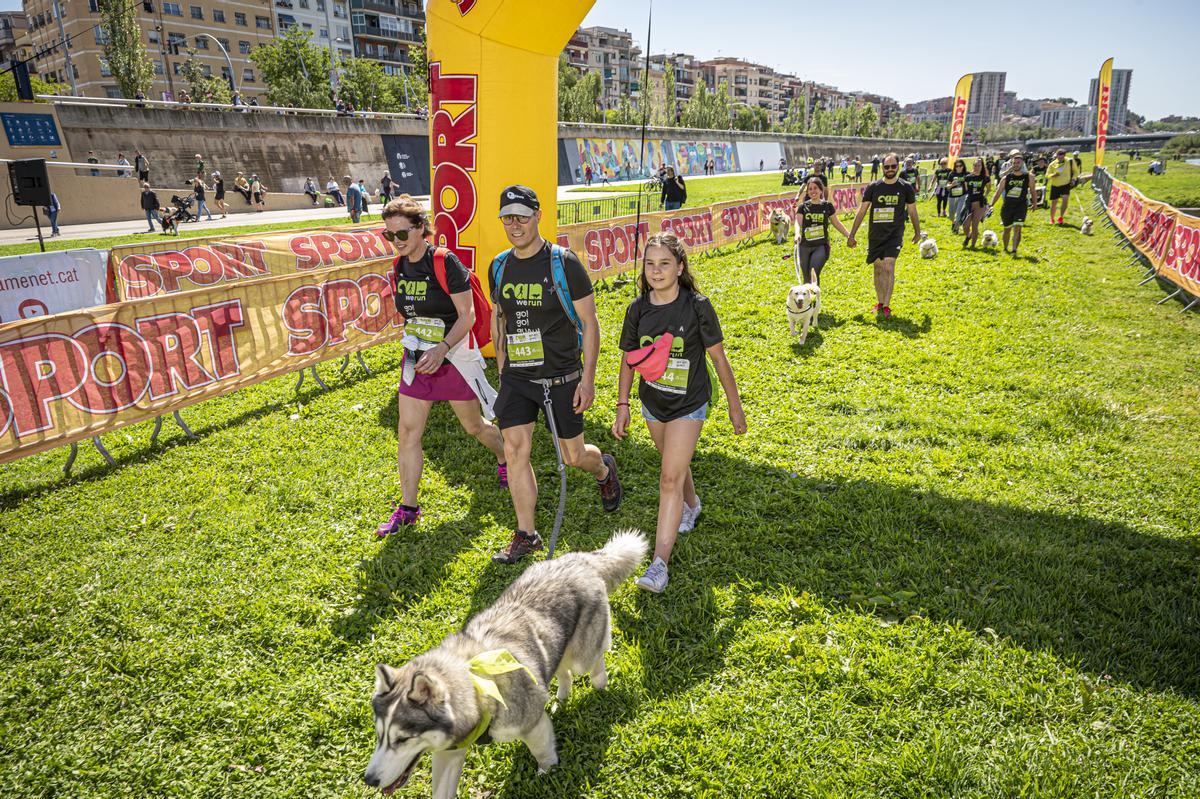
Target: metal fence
(575, 211)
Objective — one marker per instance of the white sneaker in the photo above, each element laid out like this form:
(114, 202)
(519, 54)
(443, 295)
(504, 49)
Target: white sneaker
(655, 578)
(687, 522)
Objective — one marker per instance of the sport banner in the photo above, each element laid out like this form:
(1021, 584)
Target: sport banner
(169, 266)
(1103, 106)
(43, 283)
(608, 248)
(1181, 265)
(75, 375)
(958, 114)
(1168, 238)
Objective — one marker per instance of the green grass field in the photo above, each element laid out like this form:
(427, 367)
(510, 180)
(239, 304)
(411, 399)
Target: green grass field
(956, 556)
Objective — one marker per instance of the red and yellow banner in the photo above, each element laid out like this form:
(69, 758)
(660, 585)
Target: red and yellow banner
(958, 113)
(1168, 238)
(78, 374)
(173, 265)
(1103, 106)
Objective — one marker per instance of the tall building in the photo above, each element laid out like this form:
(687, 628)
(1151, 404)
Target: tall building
(987, 96)
(386, 30)
(169, 29)
(1118, 107)
(14, 28)
(612, 55)
(327, 20)
(1065, 117)
(689, 73)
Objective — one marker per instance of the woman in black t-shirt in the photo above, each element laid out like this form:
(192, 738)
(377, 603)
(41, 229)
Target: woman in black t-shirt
(956, 189)
(941, 186)
(674, 405)
(813, 218)
(437, 336)
(977, 184)
(218, 184)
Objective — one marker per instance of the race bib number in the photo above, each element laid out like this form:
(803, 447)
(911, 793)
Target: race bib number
(675, 379)
(884, 216)
(429, 330)
(1015, 192)
(957, 191)
(814, 232)
(525, 349)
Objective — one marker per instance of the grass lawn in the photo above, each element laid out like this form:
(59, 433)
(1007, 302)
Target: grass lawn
(1179, 186)
(956, 556)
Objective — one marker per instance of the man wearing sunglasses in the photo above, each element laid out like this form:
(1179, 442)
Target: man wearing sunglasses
(538, 354)
(887, 201)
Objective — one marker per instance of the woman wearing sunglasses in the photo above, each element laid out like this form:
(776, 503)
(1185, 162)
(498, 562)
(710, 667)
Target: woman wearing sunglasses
(669, 331)
(432, 291)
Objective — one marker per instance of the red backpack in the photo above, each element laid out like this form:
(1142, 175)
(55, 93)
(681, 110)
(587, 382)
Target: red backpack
(482, 329)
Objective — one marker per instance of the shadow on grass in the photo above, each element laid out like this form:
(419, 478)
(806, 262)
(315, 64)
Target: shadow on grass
(171, 436)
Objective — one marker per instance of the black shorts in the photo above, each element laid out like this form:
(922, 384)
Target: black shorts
(1060, 191)
(884, 248)
(258, 197)
(1013, 213)
(520, 400)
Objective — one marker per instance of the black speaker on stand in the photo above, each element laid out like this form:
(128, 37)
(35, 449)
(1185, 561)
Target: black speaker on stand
(30, 184)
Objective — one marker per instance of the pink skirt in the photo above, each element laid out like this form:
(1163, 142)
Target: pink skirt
(444, 384)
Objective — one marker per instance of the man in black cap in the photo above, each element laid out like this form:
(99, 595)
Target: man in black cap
(543, 320)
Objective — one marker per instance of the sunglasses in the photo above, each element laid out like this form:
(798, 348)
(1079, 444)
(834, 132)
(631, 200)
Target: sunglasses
(515, 219)
(399, 235)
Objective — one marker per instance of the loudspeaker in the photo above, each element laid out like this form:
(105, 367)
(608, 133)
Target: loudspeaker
(30, 181)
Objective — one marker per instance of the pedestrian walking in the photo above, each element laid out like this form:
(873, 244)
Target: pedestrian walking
(141, 165)
(353, 199)
(199, 189)
(200, 166)
(956, 190)
(92, 159)
(150, 206)
(259, 192)
(941, 187)
(1016, 187)
(123, 161)
(813, 217)
(52, 212)
(218, 186)
(385, 188)
(978, 183)
(875, 168)
(887, 201)
(1060, 175)
(674, 193)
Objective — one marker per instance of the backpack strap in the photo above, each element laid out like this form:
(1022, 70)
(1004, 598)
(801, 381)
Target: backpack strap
(497, 273)
(439, 268)
(558, 276)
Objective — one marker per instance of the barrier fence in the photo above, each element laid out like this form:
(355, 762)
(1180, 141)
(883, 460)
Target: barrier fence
(1167, 238)
(202, 318)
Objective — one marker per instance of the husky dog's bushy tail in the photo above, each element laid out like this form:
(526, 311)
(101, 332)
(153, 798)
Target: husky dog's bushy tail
(616, 561)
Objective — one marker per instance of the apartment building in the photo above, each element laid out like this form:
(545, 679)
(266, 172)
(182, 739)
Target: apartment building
(1066, 117)
(689, 73)
(752, 85)
(169, 30)
(14, 28)
(387, 31)
(612, 55)
(987, 96)
(1118, 108)
(327, 20)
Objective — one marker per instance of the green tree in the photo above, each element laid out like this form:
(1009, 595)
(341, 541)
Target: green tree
(793, 122)
(200, 82)
(568, 76)
(8, 88)
(295, 70)
(578, 96)
(866, 121)
(666, 111)
(418, 75)
(364, 83)
(623, 114)
(124, 52)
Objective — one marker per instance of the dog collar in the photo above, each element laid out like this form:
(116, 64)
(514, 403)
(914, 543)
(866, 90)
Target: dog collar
(481, 668)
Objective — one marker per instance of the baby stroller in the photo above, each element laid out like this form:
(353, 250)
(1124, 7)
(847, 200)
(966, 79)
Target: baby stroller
(183, 208)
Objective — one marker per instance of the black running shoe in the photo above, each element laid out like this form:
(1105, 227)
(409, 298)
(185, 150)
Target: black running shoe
(610, 487)
(522, 544)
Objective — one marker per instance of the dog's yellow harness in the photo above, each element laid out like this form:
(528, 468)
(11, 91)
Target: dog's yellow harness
(481, 668)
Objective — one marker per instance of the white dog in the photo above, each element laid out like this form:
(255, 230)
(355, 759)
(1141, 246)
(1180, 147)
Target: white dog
(779, 226)
(989, 238)
(1086, 227)
(929, 248)
(803, 309)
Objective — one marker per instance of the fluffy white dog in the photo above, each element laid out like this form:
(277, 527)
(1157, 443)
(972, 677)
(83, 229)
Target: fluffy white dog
(803, 309)
(779, 226)
(929, 248)
(1086, 227)
(990, 239)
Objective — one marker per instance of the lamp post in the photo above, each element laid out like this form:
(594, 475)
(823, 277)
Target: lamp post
(333, 62)
(228, 61)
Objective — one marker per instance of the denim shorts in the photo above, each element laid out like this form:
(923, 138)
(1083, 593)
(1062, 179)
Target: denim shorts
(698, 415)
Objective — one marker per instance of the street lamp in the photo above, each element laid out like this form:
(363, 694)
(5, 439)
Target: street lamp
(228, 60)
(333, 62)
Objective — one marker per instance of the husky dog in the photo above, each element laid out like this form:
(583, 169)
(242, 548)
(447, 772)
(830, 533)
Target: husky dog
(1086, 227)
(990, 239)
(803, 308)
(779, 226)
(928, 246)
(553, 620)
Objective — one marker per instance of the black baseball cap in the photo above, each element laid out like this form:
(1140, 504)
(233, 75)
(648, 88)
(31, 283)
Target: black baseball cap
(519, 200)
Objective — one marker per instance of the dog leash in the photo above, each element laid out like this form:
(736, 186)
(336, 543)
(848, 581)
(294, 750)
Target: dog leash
(562, 469)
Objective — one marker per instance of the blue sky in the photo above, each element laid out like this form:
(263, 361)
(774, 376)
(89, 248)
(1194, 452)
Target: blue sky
(1048, 49)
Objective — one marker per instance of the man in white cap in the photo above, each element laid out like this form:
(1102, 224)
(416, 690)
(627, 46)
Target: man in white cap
(543, 320)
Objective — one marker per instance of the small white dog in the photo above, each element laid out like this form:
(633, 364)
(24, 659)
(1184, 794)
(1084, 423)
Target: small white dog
(779, 226)
(990, 239)
(928, 246)
(803, 309)
(1086, 227)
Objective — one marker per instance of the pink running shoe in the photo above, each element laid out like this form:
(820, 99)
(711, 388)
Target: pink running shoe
(401, 517)
(878, 307)
(887, 312)
(502, 474)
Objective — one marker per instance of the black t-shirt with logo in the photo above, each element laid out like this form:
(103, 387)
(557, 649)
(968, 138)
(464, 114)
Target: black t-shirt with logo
(911, 176)
(976, 187)
(814, 221)
(691, 319)
(958, 184)
(942, 177)
(428, 311)
(1016, 188)
(889, 208)
(540, 340)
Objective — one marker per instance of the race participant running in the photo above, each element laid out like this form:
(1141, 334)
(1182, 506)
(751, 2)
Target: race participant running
(538, 354)
(675, 403)
(887, 201)
(977, 186)
(941, 186)
(956, 189)
(813, 218)
(1061, 174)
(1039, 180)
(1016, 187)
(441, 358)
